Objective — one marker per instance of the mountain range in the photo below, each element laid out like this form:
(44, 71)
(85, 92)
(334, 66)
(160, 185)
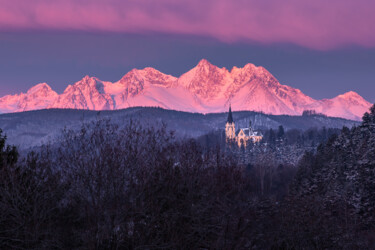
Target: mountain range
(204, 89)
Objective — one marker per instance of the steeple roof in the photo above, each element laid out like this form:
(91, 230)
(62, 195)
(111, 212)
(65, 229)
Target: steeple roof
(230, 117)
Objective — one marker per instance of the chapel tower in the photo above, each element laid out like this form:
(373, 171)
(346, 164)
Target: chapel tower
(230, 130)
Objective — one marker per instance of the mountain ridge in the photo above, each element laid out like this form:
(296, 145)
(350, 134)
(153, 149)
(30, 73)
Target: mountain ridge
(205, 88)
(32, 128)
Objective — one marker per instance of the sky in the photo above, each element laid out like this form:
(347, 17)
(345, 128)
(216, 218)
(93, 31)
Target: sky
(325, 48)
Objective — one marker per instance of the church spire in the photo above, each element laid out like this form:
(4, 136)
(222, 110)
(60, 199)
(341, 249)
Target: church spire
(230, 117)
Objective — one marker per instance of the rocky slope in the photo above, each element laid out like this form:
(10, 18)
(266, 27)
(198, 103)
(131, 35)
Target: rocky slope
(204, 89)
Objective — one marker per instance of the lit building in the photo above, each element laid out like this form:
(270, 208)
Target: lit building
(242, 136)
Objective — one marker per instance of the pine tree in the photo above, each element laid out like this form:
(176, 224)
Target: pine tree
(343, 170)
(280, 132)
(272, 137)
(8, 154)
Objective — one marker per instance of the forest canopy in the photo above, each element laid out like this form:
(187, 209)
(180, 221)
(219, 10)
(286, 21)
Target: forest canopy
(133, 187)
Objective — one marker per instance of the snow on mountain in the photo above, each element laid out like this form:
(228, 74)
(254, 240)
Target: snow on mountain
(349, 105)
(206, 81)
(204, 89)
(135, 86)
(87, 93)
(38, 97)
(247, 88)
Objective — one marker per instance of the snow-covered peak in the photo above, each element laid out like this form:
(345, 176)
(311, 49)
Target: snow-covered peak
(250, 67)
(88, 93)
(206, 81)
(86, 77)
(247, 68)
(86, 85)
(87, 80)
(154, 76)
(349, 105)
(204, 63)
(205, 66)
(147, 75)
(352, 98)
(37, 97)
(350, 95)
(40, 88)
(205, 88)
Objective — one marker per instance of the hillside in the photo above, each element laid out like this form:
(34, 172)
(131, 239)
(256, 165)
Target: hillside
(26, 129)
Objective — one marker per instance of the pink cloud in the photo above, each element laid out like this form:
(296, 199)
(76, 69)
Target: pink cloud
(318, 24)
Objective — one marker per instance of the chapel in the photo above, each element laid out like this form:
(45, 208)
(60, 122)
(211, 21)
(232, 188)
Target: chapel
(242, 136)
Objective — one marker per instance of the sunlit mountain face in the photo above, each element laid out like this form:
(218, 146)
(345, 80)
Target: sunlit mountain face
(205, 88)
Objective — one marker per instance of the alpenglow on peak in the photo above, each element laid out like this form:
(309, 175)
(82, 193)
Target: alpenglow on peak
(205, 88)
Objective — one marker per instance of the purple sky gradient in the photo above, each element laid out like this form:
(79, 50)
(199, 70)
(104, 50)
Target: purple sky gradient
(317, 24)
(323, 47)
(61, 58)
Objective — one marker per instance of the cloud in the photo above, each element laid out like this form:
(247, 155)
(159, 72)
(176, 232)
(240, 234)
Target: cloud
(318, 24)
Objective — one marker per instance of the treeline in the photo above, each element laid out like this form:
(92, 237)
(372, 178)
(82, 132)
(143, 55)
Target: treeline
(343, 172)
(105, 187)
(133, 187)
(309, 137)
(285, 148)
(312, 112)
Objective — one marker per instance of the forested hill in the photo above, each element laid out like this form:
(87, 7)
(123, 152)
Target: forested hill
(30, 128)
(343, 172)
(137, 187)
